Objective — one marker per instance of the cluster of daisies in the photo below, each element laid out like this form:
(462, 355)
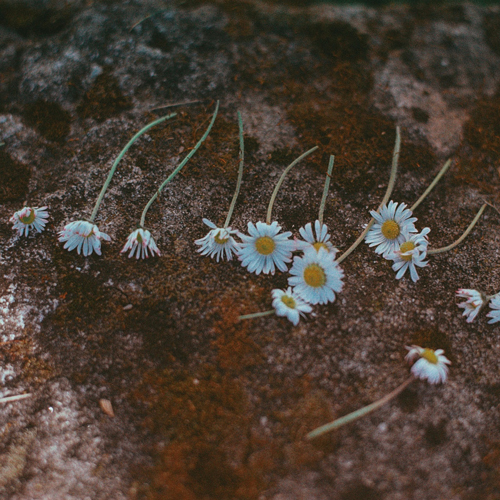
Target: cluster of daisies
(475, 301)
(315, 275)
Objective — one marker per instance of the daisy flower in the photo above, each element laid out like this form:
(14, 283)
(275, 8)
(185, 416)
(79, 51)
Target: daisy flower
(84, 236)
(474, 303)
(316, 277)
(320, 240)
(288, 303)
(218, 242)
(139, 242)
(494, 314)
(389, 227)
(410, 253)
(430, 365)
(29, 218)
(265, 248)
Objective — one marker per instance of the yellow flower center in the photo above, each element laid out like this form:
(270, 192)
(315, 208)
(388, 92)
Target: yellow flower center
(390, 229)
(288, 301)
(319, 245)
(219, 240)
(29, 219)
(430, 356)
(139, 238)
(314, 275)
(406, 247)
(265, 245)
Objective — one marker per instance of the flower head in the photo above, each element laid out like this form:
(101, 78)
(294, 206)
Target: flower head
(410, 253)
(84, 236)
(316, 276)
(139, 242)
(218, 241)
(494, 314)
(318, 241)
(265, 248)
(389, 227)
(430, 365)
(475, 301)
(288, 303)
(29, 218)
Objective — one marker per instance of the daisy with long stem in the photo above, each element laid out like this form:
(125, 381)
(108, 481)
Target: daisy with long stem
(219, 241)
(140, 241)
(84, 235)
(428, 365)
(266, 249)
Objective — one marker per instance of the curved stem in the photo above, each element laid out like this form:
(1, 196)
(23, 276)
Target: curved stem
(240, 172)
(359, 413)
(390, 188)
(119, 158)
(462, 238)
(325, 190)
(443, 170)
(257, 315)
(282, 178)
(178, 168)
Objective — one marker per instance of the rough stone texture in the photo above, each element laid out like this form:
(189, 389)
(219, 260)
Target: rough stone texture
(206, 407)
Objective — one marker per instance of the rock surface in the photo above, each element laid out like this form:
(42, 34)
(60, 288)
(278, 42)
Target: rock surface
(206, 407)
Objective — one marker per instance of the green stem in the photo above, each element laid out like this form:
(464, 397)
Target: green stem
(359, 413)
(390, 188)
(462, 238)
(443, 170)
(119, 158)
(8, 399)
(240, 171)
(257, 315)
(325, 190)
(282, 178)
(178, 168)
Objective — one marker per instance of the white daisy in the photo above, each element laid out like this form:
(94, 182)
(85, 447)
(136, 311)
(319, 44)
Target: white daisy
(474, 303)
(431, 365)
(410, 253)
(218, 242)
(29, 218)
(494, 314)
(318, 241)
(139, 242)
(387, 231)
(288, 303)
(84, 236)
(316, 276)
(265, 248)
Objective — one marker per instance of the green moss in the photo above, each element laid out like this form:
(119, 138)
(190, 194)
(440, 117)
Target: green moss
(49, 119)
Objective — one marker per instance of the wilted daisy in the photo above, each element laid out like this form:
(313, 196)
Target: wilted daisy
(494, 314)
(430, 364)
(316, 241)
(475, 301)
(410, 253)
(316, 276)
(266, 248)
(140, 242)
(288, 303)
(84, 236)
(219, 241)
(29, 218)
(390, 225)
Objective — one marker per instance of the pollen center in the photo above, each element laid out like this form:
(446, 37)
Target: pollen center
(390, 229)
(288, 301)
(430, 356)
(319, 245)
(407, 246)
(139, 238)
(314, 275)
(265, 245)
(29, 219)
(219, 240)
